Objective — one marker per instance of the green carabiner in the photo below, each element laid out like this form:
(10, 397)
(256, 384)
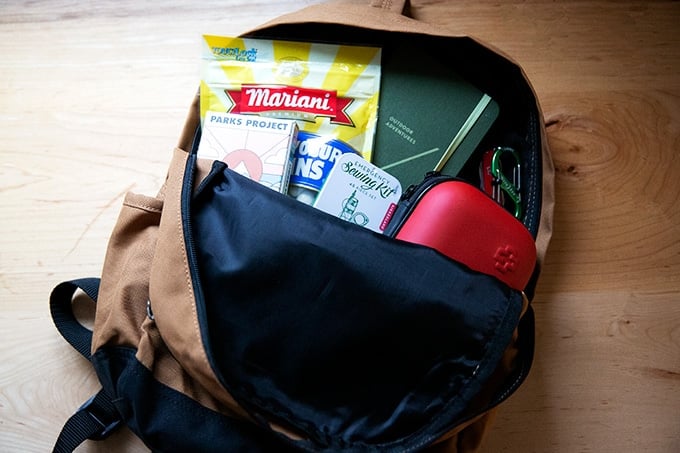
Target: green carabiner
(511, 188)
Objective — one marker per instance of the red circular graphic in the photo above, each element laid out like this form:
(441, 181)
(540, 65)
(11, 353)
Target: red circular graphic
(248, 159)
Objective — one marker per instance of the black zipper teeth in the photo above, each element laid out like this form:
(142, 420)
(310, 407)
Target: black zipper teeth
(185, 208)
(186, 223)
(510, 390)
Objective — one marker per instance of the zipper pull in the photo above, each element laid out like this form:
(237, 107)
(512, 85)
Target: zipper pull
(413, 187)
(408, 192)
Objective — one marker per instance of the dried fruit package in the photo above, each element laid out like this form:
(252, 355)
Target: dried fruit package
(330, 90)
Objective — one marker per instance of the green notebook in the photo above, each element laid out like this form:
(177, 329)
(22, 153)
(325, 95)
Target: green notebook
(429, 117)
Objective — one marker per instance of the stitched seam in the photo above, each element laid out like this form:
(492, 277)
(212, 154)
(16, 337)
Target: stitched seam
(143, 207)
(533, 177)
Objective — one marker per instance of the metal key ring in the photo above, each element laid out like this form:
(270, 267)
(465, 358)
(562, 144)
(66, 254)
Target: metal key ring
(511, 188)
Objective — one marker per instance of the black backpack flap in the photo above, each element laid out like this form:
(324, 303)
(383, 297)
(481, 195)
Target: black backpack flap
(348, 337)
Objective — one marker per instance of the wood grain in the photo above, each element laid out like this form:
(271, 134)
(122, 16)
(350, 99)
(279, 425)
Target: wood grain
(92, 99)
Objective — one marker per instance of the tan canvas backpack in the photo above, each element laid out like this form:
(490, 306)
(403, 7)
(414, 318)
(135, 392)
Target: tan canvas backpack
(226, 320)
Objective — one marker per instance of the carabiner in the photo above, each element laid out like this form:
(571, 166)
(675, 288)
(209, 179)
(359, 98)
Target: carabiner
(511, 188)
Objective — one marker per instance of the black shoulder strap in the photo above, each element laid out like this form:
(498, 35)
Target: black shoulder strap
(94, 420)
(98, 417)
(61, 308)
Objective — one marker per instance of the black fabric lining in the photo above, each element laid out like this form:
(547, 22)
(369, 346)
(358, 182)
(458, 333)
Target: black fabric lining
(418, 330)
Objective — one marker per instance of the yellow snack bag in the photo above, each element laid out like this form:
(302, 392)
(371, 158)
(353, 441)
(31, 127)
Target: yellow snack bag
(331, 91)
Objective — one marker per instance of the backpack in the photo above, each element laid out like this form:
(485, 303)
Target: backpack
(233, 318)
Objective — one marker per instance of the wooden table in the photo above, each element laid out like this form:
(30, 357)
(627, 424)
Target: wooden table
(92, 99)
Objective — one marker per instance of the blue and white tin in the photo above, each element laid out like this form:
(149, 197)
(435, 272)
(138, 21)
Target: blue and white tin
(314, 158)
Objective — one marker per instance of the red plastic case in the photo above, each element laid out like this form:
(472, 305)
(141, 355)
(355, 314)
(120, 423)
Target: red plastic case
(465, 224)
